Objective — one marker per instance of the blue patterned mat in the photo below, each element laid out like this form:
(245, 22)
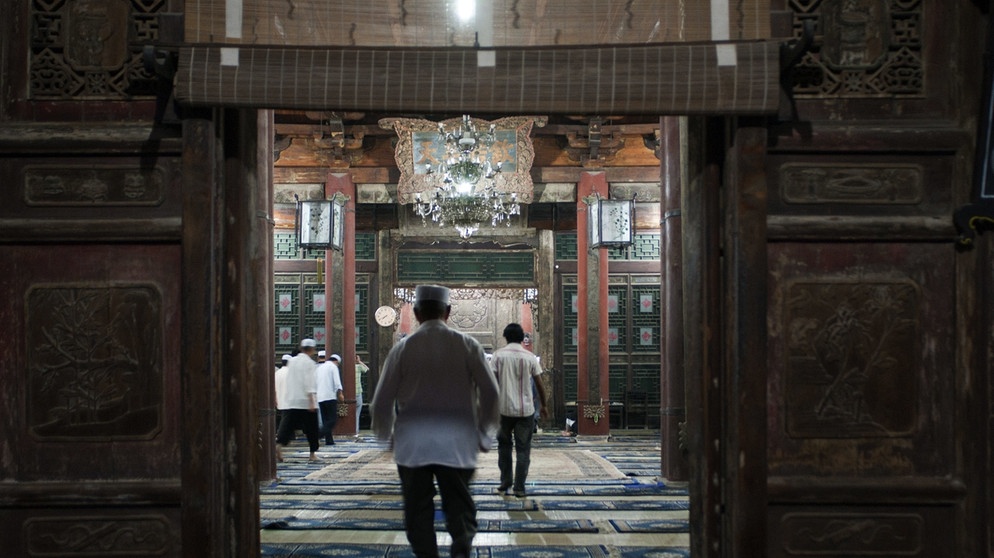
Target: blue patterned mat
(651, 525)
(295, 550)
(502, 504)
(652, 552)
(616, 489)
(387, 524)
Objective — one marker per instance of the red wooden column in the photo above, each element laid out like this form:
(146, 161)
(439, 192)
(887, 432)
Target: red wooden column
(592, 402)
(339, 317)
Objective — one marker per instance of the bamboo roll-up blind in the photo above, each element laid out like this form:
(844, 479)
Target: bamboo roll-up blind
(435, 23)
(708, 78)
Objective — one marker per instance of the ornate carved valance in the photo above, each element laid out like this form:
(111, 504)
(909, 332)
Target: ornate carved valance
(419, 148)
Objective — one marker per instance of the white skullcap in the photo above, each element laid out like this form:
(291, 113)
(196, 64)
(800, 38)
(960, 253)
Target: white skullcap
(308, 343)
(286, 358)
(431, 292)
(321, 353)
(336, 357)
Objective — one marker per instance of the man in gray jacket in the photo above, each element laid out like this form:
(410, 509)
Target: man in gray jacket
(437, 400)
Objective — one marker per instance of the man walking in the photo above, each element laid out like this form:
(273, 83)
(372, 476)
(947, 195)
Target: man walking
(360, 370)
(437, 399)
(329, 393)
(517, 371)
(301, 401)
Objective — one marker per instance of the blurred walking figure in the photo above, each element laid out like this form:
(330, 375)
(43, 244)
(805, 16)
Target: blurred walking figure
(517, 371)
(437, 400)
(301, 401)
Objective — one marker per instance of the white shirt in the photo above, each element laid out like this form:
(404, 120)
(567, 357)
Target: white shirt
(329, 381)
(515, 366)
(437, 398)
(281, 387)
(300, 382)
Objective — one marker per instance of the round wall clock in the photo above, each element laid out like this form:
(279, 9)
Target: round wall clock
(385, 316)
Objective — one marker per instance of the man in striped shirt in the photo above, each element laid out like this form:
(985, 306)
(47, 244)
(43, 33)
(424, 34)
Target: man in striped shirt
(517, 370)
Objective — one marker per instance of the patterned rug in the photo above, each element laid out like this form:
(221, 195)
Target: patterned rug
(299, 550)
(502, 504)
(605, 496)
(484, 525)
(547, 464)
(650, 525)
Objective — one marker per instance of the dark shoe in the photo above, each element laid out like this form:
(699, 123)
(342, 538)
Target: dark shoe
(329, 442)
(503, 487)
(519, 493)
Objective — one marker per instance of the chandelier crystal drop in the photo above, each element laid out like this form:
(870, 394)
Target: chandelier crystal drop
(466, 197)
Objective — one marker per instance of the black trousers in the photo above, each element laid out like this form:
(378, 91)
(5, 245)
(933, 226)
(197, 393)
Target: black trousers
(418, 489)
(520, 429)
(303, 419)
(329, 417)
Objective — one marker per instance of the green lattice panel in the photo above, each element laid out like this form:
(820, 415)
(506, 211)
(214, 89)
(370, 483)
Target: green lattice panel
(286, 305)
(617, 319)
(365, 246)
(486, 268)
(617, 252)
(362, 318)
(566, 246)
(313, 317)
(570, 382)
(617, 381)
(285, 247)
(645, 378)
(570, 320)
(646, 247)
(646, 317)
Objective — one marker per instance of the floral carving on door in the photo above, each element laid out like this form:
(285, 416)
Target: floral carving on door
(94, 357)
(850, 344)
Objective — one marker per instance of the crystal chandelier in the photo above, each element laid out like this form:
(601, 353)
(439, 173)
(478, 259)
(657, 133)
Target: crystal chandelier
(467, 196)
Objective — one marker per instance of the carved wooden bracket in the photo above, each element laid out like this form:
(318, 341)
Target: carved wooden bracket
(595, 148)
(342, 148)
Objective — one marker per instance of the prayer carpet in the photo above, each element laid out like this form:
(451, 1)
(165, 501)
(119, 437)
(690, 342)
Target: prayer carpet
(651, 525)
(301, 550)
(547, 464)
(389, 524)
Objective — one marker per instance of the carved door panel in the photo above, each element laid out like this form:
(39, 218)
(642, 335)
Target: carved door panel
(90, 365)
(483, 313)
(868, 450)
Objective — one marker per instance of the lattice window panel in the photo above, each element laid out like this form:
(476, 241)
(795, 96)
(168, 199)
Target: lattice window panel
(285, 248)
(617, 381)
(570, 320)
(646, 318)
(617, 252)
(362, 318)
(863, 48)
(484, 267)
(78, 53)
(646, 247)
(566, 246)
(645, 378)
(287, 290)
(313, 319)
(570, 385)
(617, 319)
(365, 246)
